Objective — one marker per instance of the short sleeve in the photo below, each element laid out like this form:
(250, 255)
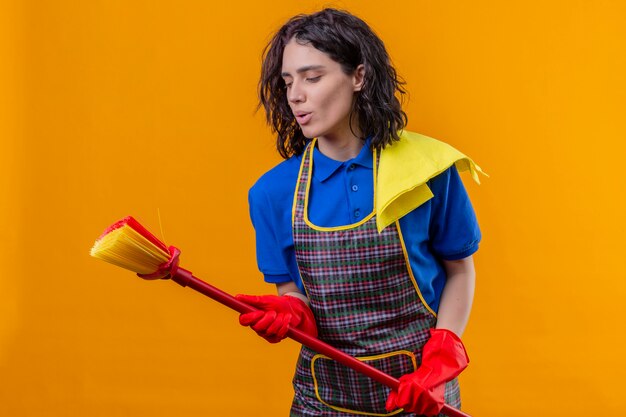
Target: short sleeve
(454, 231)
(270, 257)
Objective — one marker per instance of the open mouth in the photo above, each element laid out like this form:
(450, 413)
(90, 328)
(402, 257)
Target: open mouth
(303, 118)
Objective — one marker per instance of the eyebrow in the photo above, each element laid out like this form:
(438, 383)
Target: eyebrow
(302, 69)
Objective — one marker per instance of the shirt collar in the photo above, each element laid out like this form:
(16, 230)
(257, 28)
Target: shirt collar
(324, 167)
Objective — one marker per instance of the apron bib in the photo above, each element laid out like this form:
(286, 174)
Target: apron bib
(365, 302)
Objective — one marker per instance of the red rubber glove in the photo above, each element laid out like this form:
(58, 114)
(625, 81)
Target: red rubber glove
(276, 314)
(422, 391)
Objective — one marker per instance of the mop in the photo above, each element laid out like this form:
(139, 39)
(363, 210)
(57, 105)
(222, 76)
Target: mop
(127, 244)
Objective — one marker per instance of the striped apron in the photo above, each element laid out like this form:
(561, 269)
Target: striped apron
(366, 303)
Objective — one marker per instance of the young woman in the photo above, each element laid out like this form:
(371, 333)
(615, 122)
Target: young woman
(365, 229)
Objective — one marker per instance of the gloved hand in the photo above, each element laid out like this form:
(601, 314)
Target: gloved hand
(276, 314)
(422, 392)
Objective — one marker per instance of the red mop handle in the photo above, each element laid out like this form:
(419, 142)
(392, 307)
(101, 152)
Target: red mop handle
(186, 279)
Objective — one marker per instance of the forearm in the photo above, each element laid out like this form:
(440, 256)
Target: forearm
(457, 296)
(290, 288)
(443, 356)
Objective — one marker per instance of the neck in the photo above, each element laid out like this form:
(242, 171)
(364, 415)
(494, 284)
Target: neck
(340, 148)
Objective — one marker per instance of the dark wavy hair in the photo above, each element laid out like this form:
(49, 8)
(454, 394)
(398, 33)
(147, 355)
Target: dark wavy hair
(350, 42)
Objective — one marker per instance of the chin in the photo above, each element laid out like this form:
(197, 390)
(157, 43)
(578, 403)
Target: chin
(309, 133)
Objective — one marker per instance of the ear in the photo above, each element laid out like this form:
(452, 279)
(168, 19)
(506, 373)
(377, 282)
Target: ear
(359, 77)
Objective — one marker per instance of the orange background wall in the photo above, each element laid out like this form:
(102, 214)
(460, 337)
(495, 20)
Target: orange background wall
(111, 108)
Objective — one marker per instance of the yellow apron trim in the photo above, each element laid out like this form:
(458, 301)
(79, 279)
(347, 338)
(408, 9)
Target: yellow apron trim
(408, 267)
(362, 359)
(293, 213)
(404, 169)
(295, 193)
(306, 200)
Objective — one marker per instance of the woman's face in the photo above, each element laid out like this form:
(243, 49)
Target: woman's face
(320, 94)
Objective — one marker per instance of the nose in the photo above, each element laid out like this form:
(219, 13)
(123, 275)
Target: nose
(295, 94)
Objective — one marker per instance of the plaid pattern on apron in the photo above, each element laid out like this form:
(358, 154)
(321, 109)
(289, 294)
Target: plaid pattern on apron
(365, 302)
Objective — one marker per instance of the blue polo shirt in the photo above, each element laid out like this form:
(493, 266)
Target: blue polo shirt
(342, 193)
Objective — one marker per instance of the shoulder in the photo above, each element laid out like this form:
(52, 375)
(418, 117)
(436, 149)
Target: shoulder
(404, 169)
(277, 183)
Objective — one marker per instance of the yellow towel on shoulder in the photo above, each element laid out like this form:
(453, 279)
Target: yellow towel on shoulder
(405, 167)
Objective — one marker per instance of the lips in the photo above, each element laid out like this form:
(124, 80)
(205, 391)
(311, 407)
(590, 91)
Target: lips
(303, 117)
